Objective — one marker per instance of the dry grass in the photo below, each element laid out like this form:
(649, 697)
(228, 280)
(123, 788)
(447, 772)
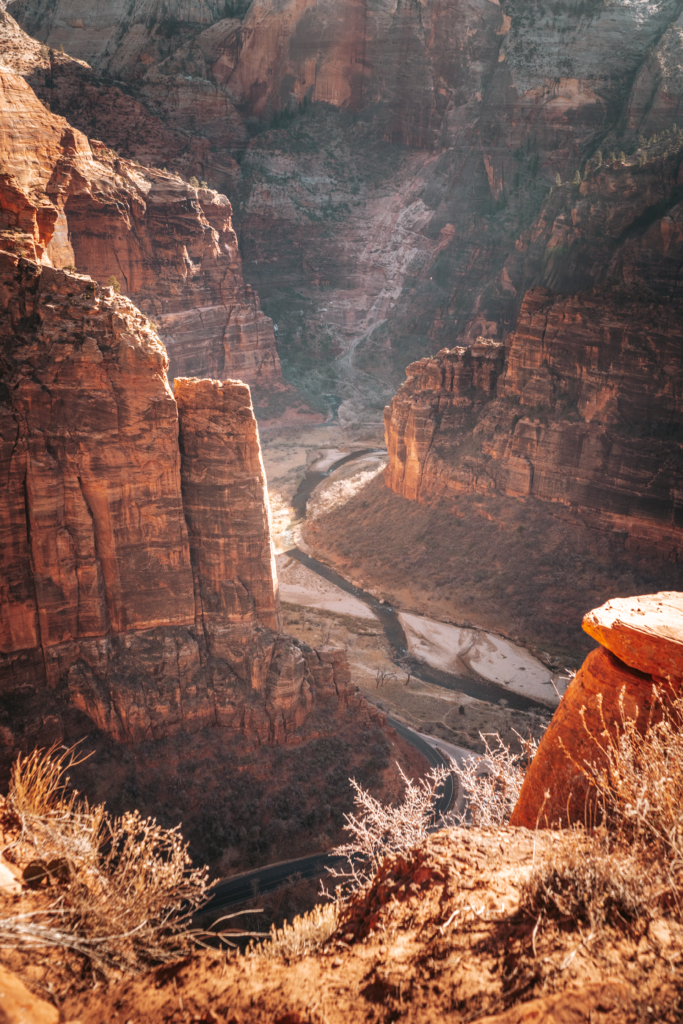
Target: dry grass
(305, 934)
(627, 864)
(120, 891)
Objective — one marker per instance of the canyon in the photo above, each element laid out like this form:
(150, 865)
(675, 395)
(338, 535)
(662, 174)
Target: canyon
(139, 601)
(412, 177)
(228, 222)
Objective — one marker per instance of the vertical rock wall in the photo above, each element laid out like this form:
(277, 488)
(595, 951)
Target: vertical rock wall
(226, 506)
(585, 415)
(138, 586)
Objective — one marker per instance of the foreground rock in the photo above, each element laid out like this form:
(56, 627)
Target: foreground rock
(19, 1006)
(437, 936)
(639, 665)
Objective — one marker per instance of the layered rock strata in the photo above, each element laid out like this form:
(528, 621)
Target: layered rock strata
(638, 666)
(583, 415)
(138, 583)
(493, 104)
(170, 246)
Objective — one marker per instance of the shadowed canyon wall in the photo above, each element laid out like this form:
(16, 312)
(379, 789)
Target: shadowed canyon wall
(395, 158)
(585, 414)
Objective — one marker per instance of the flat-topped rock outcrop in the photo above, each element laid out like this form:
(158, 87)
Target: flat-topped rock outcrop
(638, 666)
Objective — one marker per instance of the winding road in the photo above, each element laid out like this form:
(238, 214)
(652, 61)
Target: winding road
(232, 891)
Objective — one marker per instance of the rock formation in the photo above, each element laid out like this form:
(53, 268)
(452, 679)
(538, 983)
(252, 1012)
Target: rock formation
(138, 580)
(434, 239)
(171, 246)
(584, 415)
(638, 665)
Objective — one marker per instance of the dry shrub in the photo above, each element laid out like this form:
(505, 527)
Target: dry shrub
(378, 830)
(583, 879)
(304, 935)
(492, 782)
(627, 862)
(123, 889)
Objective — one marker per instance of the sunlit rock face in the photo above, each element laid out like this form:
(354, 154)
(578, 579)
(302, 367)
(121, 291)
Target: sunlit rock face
(139, 581)
(632, 675)
(138, 584)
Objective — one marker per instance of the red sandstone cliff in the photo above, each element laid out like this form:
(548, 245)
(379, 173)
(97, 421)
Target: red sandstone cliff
(585, 415)
(138, 581)
(171, 246)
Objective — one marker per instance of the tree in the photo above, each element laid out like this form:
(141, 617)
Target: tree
(113, 283)
(194, 182)
(622, 157)
(558, 179)
(598, 159)
(577, 178)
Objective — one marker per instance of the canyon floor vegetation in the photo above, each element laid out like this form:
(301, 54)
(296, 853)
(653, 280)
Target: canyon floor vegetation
(520, 568)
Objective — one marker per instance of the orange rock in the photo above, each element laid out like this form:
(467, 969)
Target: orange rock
(19, 1006)
(139, 587)
(646, 631)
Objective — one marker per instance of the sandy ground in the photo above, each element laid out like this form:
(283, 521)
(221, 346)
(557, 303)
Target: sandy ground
(300, 586)
(443, 715)
(287, 455)
(343, 484)
(450, 648)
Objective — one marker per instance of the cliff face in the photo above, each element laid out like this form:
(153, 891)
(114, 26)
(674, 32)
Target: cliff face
(638, 665)
(172, 247)
(356, 242)
(585, 416)
(138, 580)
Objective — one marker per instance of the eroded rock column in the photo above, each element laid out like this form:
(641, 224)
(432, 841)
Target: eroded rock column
(226, 508)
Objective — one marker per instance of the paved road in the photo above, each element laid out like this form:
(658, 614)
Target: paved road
(268, 879)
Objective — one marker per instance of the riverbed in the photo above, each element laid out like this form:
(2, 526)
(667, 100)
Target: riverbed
(447, 681)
